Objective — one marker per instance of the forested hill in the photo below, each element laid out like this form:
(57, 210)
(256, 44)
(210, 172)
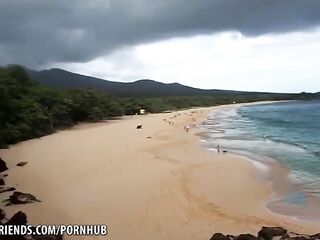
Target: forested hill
(29, 109)
(64, 79)
(147, 88)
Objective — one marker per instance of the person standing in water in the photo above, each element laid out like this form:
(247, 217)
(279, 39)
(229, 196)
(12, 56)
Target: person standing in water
(218, 148)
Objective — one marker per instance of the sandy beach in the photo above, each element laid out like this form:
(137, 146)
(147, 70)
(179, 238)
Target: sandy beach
(151, 183)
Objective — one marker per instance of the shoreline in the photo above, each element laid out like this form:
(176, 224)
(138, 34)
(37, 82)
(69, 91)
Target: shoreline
(282, 183)
(159, 178)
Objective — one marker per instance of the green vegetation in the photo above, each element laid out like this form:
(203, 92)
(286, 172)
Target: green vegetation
(29, 110)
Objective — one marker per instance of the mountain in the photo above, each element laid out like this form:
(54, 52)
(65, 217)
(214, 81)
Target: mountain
(149, 88)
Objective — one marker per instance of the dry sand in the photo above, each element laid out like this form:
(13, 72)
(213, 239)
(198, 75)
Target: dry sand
(163, 187)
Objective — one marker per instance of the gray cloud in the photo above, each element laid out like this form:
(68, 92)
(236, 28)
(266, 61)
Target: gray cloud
(39, 32)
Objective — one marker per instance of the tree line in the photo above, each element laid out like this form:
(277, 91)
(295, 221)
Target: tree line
(30, 110)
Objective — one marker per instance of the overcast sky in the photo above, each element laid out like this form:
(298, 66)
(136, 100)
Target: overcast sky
(263, 45)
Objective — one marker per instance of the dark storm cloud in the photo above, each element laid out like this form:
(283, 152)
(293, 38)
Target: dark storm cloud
(38, 32)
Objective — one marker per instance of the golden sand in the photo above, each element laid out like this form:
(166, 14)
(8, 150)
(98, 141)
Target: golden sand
(153, 183)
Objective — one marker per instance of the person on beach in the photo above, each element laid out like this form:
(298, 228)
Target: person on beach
(218, 148)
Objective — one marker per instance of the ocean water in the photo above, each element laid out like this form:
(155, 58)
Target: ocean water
(285, 135)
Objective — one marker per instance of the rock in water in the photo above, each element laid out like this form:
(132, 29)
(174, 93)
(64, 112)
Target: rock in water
(20, 218)
(267, 233)
(296, 236)
(246, 237)
(20, 164)
(3, 165)
(22, 198)
(316, 236)
(7, 189)
(2, 214)
(219, 236)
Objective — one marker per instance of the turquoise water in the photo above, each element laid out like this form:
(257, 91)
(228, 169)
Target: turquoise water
(286, 132)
